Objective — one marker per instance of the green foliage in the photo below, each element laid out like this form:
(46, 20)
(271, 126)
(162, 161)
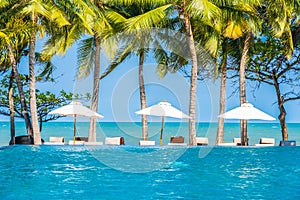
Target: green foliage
(46, 101)
(269, 64)
(87, 52)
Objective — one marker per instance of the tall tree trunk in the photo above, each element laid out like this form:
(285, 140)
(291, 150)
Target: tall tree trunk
(41, 123)
(20, 89)
(243, 125)
(281, 117)
(33, 109)
(11, 109)
(143, 95)
(193, 83)
(95, 98)
(280, 102)
(220, 131)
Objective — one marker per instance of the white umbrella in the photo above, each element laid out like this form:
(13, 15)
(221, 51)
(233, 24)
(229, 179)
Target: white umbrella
(246, 111)
(162, 109)
(75, 109)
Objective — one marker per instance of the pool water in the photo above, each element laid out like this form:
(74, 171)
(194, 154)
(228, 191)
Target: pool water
(131, 172)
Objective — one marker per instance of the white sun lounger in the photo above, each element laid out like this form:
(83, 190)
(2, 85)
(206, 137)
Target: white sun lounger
(114, 141)
(55, 141)
(237, 141)
(227, 144)
(93, 143)
(71, 142)
(202, 141)
(266, 142)
(146, 143)
(177, 144)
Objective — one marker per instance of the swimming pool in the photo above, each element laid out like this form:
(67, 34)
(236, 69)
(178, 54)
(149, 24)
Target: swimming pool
(130, 172)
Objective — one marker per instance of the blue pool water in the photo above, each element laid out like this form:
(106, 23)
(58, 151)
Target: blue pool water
(131, 172)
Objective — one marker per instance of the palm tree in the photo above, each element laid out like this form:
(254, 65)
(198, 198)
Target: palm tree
(220, 39)
(105, 20)
(21, 9)
(237, 18)
(11, 108)
(13, 37)
(151, 15)
(36, 10)
(190, 9)
(93, 22)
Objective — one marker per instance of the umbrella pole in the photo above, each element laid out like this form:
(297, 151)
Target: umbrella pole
(74, 129)
(162, 129)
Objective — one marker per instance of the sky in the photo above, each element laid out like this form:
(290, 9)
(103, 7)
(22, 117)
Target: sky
(119, 92)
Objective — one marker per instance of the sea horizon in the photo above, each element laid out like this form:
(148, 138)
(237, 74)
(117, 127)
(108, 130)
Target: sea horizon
(132, 133)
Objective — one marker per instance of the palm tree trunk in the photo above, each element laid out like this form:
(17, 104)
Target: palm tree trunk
(12, 110)
(20, 89)
(33, 109)
(220, 131)
(96, 84)
(143, 95)
(193, 83)
(243, 125)
(281, 117)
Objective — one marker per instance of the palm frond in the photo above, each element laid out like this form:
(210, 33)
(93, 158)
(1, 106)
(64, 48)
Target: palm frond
(85, 57)
(140, 2)
(3, 3)
(204, 8)
(46, 67)
(234, 29)
(148, 19)
(123, 54)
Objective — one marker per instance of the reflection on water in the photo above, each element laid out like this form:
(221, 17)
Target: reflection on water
(77, 172)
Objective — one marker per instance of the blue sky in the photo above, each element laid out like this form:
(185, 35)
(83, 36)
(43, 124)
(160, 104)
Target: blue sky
(119, 94)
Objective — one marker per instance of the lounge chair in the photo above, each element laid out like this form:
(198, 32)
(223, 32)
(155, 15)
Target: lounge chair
(227, 144)
(85, 139)
(202, 141)
(177, 140)
(146, 143)
(71, 142)
(93, 143)
(237, 141)
(287, 143)
(266, 142)
(114, 141)
(55, 141)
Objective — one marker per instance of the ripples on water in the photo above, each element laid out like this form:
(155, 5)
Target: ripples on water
(68, 172)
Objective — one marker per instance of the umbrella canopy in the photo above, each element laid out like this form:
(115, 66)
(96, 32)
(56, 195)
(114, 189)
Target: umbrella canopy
(246, 111)
(75, 109)
(162, 109)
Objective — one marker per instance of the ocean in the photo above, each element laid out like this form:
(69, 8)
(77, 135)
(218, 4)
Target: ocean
(132, 132)
(133, 172)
